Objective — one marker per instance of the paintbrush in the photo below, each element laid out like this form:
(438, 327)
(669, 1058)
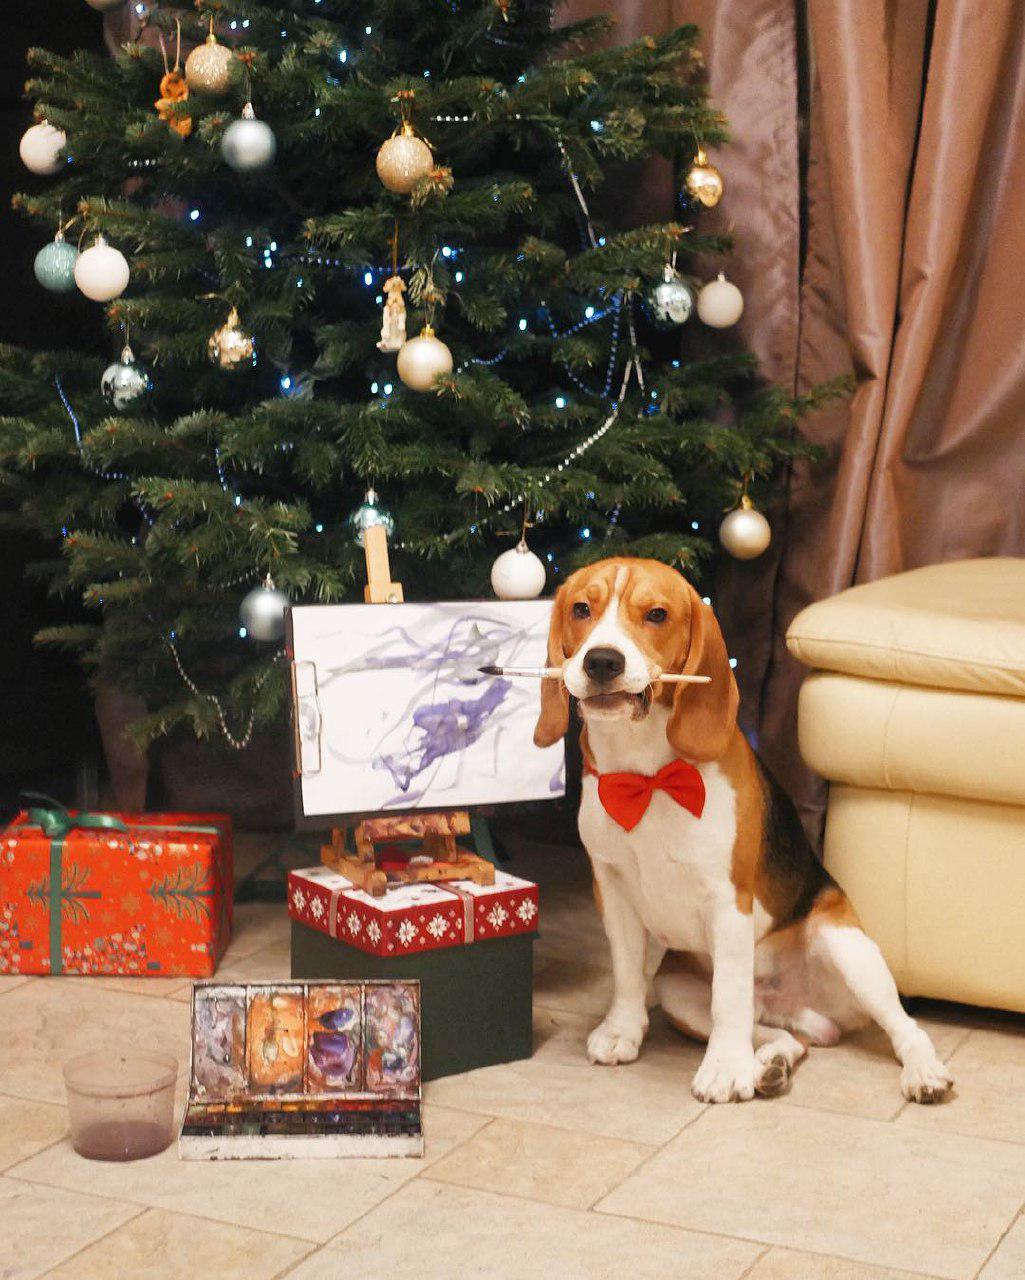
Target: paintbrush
(555, 673)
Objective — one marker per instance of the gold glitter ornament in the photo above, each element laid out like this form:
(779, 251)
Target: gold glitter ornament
(704, 181)
(403, 160)
(230, 346)
(208, 66)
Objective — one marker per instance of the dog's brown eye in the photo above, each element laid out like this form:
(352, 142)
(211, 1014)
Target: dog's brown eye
(581, 610)
(656, 615)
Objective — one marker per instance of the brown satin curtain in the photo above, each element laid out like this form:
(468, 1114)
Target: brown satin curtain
(876, 191)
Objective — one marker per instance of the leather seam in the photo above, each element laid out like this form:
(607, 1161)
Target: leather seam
(886, 740)
(907, 880)
(909, 653)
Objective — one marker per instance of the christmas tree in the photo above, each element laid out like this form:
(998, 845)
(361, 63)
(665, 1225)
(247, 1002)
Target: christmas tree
(263, 224)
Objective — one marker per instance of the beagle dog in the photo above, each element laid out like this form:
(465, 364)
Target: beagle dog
(703, 876)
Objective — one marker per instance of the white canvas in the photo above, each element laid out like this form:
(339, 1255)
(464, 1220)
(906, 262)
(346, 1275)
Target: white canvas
(392, 713)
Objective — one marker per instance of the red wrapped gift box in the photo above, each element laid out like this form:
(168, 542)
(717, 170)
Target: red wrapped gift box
(413, 917)
(119, 893)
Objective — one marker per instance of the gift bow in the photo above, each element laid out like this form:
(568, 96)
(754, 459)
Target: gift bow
(56, 820)
(625, 796)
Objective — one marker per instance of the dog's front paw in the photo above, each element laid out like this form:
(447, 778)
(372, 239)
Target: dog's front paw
(925, 1079)
(614, 1041)
(727, 1074)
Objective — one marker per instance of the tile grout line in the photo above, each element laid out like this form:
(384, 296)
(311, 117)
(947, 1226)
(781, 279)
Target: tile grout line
(105, 1236)
(143, 1205)
(1003, 1236)
(772, 1244)
(420, 1173)
(702, 1109)
(8, 1172)
(290, 1269)
(749, 1269)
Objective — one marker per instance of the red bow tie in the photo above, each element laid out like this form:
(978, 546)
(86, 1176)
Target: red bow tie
(625, 796)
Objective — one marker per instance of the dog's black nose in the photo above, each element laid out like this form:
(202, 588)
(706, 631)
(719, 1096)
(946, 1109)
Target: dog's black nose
(602, 665)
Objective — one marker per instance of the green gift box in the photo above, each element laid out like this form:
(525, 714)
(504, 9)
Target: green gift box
(471, 948)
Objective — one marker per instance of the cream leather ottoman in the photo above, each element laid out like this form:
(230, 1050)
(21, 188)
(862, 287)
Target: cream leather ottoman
(915, 713)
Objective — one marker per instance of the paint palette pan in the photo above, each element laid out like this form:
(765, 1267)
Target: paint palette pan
(284, 1070)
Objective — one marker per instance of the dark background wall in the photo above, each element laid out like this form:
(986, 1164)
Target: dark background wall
(47, 733)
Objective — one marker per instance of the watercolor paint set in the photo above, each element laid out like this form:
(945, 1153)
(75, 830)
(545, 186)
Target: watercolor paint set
(284, 1070)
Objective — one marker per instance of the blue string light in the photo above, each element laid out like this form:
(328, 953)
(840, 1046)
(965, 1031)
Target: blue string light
(97, 471)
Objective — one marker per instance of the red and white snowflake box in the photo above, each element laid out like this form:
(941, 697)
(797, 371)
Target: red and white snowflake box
(415, 917)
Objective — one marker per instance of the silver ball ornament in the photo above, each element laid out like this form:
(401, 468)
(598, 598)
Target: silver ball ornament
(41, 146)
(125, 383)
(368, 514)
(518, 574)
(422, 360)
(248, 145)
(720, 303)
(262, 611)
(101, 272)
(54, 265)
(745, 533)
(671, 301)
(403, 160)
(208, 67)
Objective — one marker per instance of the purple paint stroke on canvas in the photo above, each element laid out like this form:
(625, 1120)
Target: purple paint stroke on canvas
(446, 727)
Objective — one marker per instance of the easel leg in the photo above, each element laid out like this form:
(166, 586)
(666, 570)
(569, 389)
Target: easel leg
(483, 844)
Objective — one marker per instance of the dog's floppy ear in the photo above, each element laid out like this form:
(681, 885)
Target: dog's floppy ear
(553, 722)
(704, 716)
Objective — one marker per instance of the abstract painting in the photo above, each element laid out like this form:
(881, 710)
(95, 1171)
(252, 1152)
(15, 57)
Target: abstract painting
(392, 712)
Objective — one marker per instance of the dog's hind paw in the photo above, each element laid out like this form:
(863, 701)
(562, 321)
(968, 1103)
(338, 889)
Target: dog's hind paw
(925, 1079)
(772, 1074)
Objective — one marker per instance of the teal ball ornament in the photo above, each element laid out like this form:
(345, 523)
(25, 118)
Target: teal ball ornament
(55, 265)
(125, 384)
(671, 301)
(369, 513)
(248, 145)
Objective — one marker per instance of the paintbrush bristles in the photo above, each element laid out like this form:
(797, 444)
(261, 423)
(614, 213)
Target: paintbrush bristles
(556, 673)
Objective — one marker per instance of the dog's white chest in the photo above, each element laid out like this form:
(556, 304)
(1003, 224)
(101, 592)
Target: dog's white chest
(673, 866)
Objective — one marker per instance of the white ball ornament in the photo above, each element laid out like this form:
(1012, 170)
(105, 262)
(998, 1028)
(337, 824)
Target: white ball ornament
(745, 533)
(518, 574)
(262, 611)
(248, 145)
(720, 303)
(41, 146)
(101, 272)
(422, 360)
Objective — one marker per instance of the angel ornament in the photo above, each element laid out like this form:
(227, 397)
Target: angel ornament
(393, 325)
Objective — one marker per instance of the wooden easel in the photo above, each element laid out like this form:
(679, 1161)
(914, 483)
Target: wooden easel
(440, 857)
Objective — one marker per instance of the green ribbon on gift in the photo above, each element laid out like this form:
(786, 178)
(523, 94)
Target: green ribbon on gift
(57, 822)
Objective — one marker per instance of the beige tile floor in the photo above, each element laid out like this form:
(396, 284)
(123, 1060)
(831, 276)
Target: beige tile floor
(543, 1168)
